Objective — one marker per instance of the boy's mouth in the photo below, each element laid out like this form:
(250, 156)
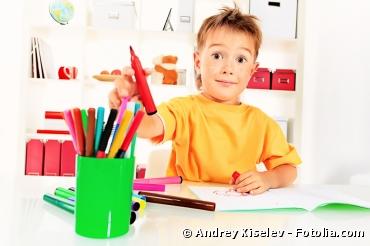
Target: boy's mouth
(225, 82)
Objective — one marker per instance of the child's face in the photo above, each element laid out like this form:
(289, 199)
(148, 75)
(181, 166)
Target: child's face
(225, 62)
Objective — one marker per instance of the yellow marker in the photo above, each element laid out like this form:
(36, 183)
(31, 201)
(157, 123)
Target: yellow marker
(142, 204)
(120, 134)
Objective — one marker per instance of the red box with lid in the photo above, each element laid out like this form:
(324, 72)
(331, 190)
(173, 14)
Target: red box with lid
(283, 79)
(260, 79)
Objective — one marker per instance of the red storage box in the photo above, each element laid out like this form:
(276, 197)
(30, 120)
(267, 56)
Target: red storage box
(67, 159)
(283, 79)
(260, 79)
(34, 157)
(52, 150)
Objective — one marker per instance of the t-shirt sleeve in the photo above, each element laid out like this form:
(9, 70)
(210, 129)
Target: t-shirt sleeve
(172, 115)
(276, 150)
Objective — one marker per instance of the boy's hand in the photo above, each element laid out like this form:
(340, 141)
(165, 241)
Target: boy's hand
(252, 182)
(124, 86)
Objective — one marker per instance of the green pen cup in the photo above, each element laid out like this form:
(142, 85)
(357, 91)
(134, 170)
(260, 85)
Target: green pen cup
(103, 196)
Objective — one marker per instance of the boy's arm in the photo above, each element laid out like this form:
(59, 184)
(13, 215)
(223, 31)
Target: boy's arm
(281, 176)
(258, 182)
(151, 126)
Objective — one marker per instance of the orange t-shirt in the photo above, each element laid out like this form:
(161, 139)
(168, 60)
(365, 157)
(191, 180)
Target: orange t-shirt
(211, 140)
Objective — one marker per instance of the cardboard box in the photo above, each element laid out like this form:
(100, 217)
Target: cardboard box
(260, 79)
(283, 79)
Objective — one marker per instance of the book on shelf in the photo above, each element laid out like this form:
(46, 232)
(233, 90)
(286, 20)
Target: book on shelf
(41, 60)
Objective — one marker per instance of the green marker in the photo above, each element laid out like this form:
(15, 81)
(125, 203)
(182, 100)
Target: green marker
(59, 202)
(84, 120)
(133, 142)
(66, 191)
(64, 195)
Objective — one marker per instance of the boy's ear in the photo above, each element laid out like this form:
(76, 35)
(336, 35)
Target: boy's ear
(255, 67)
(196, 61)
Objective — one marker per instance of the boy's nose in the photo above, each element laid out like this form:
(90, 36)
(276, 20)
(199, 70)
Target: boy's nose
(228, 72)
(228, 68)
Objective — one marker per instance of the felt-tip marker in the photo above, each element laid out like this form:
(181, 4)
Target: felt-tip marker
(142, 84)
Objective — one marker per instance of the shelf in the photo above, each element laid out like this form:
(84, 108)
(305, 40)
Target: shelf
(48, 136)
(72, 82)
(67, 31)
(56, 81)
(270, 92)
(93, 82)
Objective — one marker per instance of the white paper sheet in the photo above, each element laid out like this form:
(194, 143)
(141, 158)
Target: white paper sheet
(304, 197)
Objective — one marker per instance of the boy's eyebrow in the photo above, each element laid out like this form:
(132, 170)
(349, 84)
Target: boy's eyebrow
(243, 48)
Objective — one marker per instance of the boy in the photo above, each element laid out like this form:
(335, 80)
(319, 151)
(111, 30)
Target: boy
(213, 133)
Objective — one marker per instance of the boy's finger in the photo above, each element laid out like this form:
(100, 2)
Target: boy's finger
(114, 100)
(245, 182)
(243, 177)
(147, 71)
(258, 191)
(128, 72)
(248, 188)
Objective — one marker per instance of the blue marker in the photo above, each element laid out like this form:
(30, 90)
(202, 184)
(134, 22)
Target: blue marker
(99, 128)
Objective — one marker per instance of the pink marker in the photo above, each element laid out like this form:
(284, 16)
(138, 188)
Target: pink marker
(69, 121)
(164, 180)
(149, 187)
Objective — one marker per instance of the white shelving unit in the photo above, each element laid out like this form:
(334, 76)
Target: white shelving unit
(93, 49)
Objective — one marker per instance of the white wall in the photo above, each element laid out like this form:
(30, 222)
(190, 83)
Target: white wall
(11, 59)
(336, 91)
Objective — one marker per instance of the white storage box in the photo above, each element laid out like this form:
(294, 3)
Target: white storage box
(278, 18)
(113, 14)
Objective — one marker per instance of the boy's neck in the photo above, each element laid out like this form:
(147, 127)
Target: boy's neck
(237, 101)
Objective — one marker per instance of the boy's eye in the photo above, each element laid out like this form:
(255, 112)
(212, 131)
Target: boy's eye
(217, 56)
(241, 59)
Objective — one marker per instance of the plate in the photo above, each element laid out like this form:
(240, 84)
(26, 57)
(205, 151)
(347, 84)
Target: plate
(106, 77)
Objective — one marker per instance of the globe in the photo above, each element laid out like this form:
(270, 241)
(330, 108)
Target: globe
(61, 11)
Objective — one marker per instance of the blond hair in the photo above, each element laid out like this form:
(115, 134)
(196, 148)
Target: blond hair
(234, 19)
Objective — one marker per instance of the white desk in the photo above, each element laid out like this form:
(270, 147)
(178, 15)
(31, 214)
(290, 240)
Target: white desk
(34, 222)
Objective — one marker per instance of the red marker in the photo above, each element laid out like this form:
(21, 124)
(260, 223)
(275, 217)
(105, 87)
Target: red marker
(142, 84)
(130, 134)
(79, 131)
(235, 175)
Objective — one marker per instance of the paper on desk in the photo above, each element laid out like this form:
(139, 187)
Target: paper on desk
(305, 197)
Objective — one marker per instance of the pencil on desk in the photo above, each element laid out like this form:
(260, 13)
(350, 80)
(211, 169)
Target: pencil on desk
(59, 202)
(149, 187)
(162, 180)
(178, 201)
